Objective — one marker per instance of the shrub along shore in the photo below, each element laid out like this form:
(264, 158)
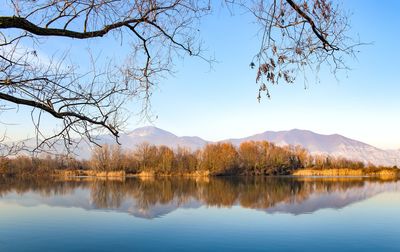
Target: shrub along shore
(382, 172)
(217, 159)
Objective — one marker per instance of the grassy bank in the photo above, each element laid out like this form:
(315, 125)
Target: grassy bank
(88, 173)
(372, 172)
(383, 173)
(111, 174)
(331, 172)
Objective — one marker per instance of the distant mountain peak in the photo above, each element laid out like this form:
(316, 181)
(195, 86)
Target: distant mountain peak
(149, 131)
(334, 145)
(303, 131)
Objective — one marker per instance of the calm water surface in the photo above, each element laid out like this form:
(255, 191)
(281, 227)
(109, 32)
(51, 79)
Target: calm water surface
(219, 214)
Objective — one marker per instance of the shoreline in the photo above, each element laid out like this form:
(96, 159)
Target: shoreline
(366, 172)
(306, 172)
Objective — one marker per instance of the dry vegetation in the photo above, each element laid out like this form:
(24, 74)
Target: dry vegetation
(382, 172)
(250, 159)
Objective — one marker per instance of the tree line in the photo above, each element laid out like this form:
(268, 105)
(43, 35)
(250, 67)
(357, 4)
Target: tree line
(249, 158)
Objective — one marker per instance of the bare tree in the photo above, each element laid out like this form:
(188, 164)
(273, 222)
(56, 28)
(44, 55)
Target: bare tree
(296, 35)
(87, 102)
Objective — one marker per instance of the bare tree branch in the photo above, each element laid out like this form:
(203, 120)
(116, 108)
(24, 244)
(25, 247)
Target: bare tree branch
(89, 98)
(89, 101)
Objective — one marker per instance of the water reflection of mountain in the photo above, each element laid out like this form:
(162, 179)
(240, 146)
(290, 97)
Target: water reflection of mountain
(157, 197)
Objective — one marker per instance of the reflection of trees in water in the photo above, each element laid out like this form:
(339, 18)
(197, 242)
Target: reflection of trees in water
(148, 193)
(107, 194)
(250, 192)
(46, 187)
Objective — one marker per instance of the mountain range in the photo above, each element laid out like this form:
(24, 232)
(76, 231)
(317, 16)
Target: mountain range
(334, 145)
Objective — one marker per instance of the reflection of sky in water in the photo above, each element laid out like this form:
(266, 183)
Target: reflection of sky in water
(363, 217)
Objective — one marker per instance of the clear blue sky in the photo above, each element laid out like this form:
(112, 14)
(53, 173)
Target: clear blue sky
(221, 103)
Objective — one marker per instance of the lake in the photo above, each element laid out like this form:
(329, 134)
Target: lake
(202, 214)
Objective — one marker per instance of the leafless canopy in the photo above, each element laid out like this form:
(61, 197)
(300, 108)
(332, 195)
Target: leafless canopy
(88, 101)
(298, 37)
(295, 35)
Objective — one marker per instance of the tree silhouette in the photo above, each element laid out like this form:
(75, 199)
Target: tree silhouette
(296, 35)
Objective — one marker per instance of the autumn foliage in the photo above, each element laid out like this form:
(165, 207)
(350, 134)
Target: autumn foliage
(223, 158)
